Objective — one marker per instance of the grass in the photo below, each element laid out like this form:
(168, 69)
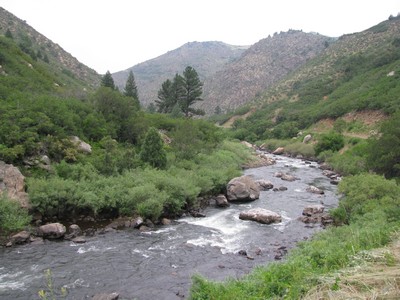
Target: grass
(375, 274)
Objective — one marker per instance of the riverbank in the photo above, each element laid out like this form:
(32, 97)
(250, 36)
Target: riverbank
(369, 215)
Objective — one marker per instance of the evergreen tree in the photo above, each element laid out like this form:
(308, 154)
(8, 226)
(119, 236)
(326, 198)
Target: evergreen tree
(130, 87)
(193, 89)
(153, 151)
(108, 81)
(164, 96)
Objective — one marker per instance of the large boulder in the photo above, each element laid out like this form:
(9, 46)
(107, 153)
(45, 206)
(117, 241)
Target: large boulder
(261, 215)
(288, 177)
(12, 182)
(242, 188)
(52, 230)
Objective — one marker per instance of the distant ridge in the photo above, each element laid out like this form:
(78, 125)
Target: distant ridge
(206, 57)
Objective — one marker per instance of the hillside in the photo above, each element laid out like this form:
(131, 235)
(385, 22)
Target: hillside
(62, 65)
(206, 57)
(262, 65)
(358, 72)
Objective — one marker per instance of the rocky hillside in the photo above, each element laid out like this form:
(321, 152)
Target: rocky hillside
(63, 65)
(262, 65)
(232, 75)
(206, 57)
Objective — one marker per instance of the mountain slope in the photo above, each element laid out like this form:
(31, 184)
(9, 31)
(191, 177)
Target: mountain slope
(206, 57)
(262, 65)
(359, 72)
(69, 71)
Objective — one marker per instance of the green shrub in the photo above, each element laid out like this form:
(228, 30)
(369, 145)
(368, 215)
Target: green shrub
(331, 141)
(12, 216)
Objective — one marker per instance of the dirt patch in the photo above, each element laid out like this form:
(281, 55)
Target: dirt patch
(367, 117)
(229, 123)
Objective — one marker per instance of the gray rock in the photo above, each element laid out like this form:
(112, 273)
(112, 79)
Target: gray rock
(288, 177)
(104, 296)
(261, 215)
(279, 151)
(79, 240)
(221, 201)
(12, 183)
(52, 230)
(314, 190)
(313, 209)
(21, 237)
(307, 138)
(137, 222)
(264, 185)
(80, 145)
(242, 188)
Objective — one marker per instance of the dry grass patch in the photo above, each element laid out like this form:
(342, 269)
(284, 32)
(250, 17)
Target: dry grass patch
(375, 276)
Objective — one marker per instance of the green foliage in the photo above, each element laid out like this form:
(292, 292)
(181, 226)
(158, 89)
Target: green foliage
(130, 87)
(183, 91)
(367, 193)
(351, 162)
(152, 151)
(12, 216)
(331, 141)
(108, 81)
(384, 151)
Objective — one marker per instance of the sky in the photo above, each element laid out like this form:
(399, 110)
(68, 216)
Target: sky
(116, 35)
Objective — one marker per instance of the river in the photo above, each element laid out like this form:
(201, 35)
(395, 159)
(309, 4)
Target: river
(159, 264)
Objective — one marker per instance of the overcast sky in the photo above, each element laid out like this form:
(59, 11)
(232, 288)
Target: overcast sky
(116, 35)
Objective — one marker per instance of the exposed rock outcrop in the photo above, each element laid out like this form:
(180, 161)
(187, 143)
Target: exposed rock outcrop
(81, 146)
(12, 182)
(242, 188)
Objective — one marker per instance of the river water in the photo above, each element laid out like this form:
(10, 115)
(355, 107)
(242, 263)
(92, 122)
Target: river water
(159, 264)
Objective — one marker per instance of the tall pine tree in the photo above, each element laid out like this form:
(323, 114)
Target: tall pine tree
(130, 87)
(193, 89)
(108, 81)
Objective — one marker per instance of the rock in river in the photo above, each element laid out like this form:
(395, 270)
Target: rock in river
(242, 188)
(261, 215)
(52, 230)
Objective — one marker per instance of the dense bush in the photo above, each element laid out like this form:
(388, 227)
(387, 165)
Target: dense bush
(81, 188)
(329, 142)
(12, 216)
(384, 151)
